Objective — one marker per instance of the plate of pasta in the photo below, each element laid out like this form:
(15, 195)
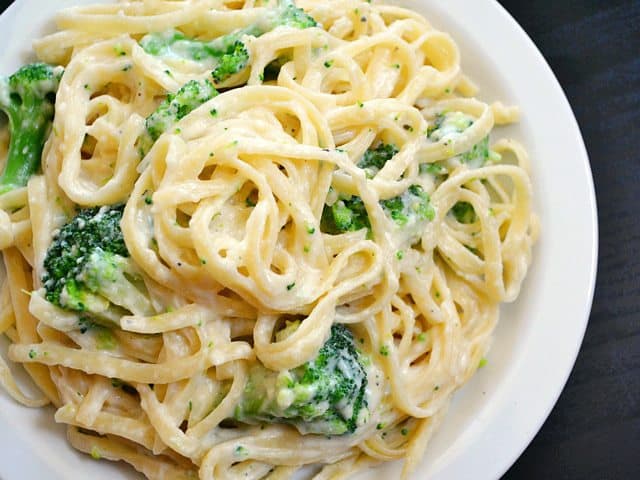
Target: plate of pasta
(267, 239)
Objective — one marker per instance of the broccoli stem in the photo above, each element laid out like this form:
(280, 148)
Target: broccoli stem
(27, 99)
(226, 55)
(23, 159)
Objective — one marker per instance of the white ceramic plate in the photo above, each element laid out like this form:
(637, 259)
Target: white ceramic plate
(495, 416)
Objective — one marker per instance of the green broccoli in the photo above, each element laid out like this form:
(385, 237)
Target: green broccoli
(410, 211)
(28, 99)
(464, 212)
(345, 215)
(374, 159)
(226, 55)
(176, 106)
(326, 395)
(233, 59)
(410, 208)
(435, 169)
(450, 125)
(348, 214)
(478, 155)
(87, 268)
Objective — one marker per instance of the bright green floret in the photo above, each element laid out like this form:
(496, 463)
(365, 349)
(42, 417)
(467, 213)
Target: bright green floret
(232, 61)
(88, 269)
(291, 16)
(449, 125)
(348, 214)
(410, 208)
(227, 55)
(28, 99)
(326, 395)
(345, 215)
(175, 107)
(374, 159)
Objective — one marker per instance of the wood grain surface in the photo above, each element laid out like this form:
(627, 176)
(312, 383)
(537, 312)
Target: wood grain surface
(594, 48)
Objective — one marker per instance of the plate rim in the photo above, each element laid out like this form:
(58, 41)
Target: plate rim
(499, 468)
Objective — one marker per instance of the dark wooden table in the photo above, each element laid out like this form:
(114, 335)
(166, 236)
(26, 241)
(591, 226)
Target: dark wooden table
(593, 47)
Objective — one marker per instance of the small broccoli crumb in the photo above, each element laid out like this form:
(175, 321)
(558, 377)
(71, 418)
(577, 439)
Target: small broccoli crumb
(384, 350)
(120, 52)
(483, 362)
(95, 453)
(32, 354)
(105, 340)
(241, 451)
(434, 169)
(250, 202)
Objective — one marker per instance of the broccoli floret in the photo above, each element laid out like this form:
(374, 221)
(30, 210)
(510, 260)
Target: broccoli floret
(374, 159)
(28, 99)
(410, 208)
(326, 395)
(478, 155)
(464, 212)
(87, 267)
(176, 106)
(226, 55)
(231, 62)
(435, 169)
(349, 214)
(287, 14)
(345, 215)
(450, 125)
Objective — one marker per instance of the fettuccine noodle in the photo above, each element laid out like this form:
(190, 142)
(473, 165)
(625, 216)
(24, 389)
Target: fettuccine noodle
(222, 273)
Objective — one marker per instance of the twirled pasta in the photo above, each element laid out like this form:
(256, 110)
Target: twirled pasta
(219, 272)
